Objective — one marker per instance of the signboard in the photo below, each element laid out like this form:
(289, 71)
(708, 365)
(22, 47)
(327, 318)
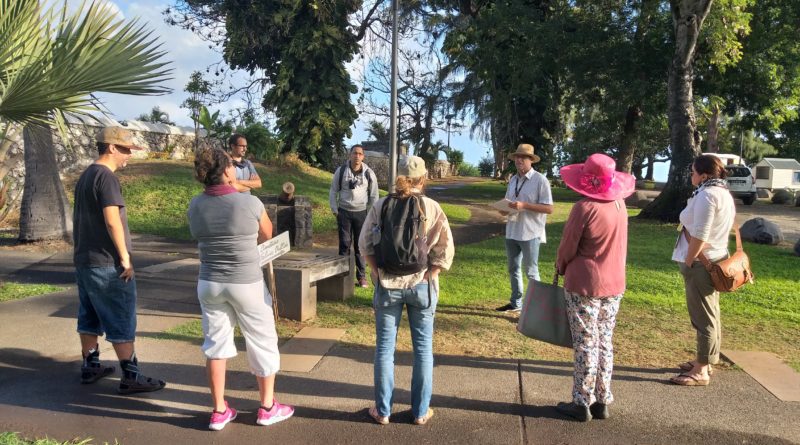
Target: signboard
(271, 249)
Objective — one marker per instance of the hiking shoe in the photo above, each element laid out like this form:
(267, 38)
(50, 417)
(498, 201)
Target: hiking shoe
(362, 282)
(219, 420)
(599, 411)
(577, 412)
(133, 381)
(508, 308)
(91, 368)
(278, 413)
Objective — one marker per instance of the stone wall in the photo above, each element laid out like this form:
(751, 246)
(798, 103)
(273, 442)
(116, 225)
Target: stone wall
(159, 141)
(379, 163)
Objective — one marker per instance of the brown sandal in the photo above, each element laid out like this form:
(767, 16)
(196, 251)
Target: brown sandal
(687, 366)
(689, 380)
(424, 419)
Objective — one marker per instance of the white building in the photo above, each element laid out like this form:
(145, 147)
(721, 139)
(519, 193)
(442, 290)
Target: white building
(777, 173)
(727, 158)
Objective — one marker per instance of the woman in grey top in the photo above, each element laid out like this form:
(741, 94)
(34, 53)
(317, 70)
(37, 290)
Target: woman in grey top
(228, 225)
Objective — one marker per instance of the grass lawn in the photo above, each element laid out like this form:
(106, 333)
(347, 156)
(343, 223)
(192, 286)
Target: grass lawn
(8, 438)
(157, 194)
(17, 291)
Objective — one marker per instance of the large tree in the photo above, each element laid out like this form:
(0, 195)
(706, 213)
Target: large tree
(51, 61)
(505, 53)
(301, 49)
(687, 21)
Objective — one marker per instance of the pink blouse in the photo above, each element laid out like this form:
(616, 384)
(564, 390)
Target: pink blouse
(593, 248)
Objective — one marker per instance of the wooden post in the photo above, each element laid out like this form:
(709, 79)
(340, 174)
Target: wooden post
(271, 273)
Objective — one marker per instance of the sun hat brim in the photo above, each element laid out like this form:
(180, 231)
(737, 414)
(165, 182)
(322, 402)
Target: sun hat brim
(622, 184)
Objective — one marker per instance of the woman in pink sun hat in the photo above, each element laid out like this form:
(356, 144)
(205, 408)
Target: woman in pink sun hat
(591, 257)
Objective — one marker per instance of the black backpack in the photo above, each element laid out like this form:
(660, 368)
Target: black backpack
(402, 249)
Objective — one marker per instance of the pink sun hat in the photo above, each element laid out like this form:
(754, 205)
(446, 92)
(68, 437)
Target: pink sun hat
(597, 178)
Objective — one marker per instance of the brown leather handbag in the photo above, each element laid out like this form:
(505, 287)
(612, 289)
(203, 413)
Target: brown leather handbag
(731, 273)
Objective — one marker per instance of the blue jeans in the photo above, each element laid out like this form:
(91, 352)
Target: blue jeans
(519, 252)
(107, 303)
(388, 304)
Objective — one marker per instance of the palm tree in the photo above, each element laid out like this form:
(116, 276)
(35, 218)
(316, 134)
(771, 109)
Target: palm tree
(51, 61)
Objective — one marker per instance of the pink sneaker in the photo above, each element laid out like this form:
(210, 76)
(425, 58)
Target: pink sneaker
(219, 420)
(276, 414)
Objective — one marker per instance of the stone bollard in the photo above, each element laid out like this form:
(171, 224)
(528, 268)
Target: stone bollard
(293, 215)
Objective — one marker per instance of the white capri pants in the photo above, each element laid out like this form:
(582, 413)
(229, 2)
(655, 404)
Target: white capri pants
(223, 304)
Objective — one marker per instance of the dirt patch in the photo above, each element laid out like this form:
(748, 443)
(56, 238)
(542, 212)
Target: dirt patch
(49, 246)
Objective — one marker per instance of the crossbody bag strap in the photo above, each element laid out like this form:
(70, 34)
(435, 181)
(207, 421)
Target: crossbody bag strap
(738, 239)
(700, 256)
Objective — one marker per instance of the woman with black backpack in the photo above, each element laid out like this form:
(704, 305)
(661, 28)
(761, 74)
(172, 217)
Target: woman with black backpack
(406, 241)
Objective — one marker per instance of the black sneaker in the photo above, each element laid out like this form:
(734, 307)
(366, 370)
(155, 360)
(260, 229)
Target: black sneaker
(91, 368)
(577, 412)
(599, 411)
(508, 308)
(133, 382)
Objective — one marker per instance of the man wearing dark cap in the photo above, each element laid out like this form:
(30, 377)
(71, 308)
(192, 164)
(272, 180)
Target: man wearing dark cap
(103, 268)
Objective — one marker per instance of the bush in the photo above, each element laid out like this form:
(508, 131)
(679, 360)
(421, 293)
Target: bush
(455, 158)
(486, 166)
(467, 169)
(261, 143)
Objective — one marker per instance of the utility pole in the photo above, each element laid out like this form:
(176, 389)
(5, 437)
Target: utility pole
(393, 124)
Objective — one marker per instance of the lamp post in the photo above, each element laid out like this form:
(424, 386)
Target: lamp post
(393, 124)
(448, 117)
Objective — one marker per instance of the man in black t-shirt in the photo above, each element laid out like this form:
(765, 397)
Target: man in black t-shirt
(103, 268)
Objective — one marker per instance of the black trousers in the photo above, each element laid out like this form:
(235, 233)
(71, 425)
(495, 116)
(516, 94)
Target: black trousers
(349, 224)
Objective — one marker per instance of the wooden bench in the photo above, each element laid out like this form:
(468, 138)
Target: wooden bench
(301, 277)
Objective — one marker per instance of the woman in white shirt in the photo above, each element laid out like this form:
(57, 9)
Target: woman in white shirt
(706, 223)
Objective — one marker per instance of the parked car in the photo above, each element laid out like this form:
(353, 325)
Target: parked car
(741, 183)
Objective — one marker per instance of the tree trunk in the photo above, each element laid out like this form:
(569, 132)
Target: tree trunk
(497, 150)
(45, 212)
(628, 144)
(713, 130)
(651, 166)
(687, 18)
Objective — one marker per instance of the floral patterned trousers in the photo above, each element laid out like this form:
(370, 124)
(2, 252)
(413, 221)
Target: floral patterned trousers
(592, 321)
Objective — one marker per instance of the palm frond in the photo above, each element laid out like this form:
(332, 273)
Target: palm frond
(53, 62)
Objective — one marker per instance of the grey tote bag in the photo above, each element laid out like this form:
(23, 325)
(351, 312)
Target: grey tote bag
(544, 314)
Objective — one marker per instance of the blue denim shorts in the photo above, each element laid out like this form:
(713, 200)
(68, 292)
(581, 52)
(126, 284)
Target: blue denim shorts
(107, 304)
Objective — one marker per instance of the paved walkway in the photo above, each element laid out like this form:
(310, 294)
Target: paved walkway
(476, 400)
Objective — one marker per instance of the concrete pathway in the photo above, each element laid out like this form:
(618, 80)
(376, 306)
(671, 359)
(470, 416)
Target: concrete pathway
(476, 400)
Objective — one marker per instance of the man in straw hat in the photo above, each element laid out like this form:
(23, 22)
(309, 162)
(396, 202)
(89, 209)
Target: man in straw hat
(103, 268)
(530, 201)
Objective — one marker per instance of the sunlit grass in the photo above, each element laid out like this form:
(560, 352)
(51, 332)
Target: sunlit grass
(16, 291)
(9, 438)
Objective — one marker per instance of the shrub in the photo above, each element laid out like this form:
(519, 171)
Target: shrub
(467, 169)
(455, 158)
(261, 143)
(486, 166)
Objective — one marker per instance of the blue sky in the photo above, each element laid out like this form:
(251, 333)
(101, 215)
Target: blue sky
(188, 53)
